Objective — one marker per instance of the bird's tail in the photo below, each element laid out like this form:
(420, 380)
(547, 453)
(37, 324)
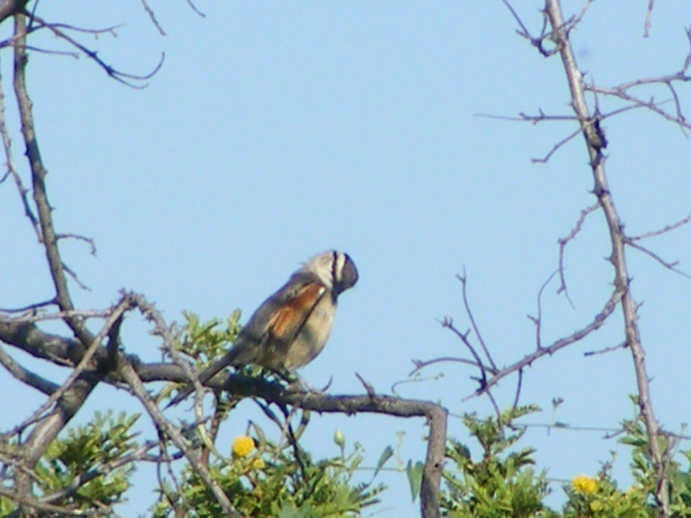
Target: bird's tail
(206, 375)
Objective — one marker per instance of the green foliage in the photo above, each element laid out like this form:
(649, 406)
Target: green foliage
(644, 472)
(90, 449)
(206, 341)
(502, 483)
(82, 464)
(272, 482)
(606, 501)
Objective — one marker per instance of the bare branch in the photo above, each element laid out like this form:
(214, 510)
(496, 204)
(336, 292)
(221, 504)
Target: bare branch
(83, 313)
(23, 191)
(26, 376)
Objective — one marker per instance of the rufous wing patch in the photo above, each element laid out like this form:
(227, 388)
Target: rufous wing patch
(286, 321)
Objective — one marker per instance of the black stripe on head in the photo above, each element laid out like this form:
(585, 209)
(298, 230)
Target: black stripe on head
(334, 266)
(347, 273)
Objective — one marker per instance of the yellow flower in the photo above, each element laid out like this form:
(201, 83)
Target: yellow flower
(258, 463)
(242, 446)
(584, 484)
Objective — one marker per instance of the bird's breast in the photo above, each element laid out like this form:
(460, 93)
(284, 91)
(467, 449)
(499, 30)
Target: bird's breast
(313, 335)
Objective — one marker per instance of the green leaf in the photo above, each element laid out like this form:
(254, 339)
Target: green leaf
(385, 455)
(414, 473)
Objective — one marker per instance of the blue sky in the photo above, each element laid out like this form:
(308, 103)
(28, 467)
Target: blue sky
(276, 130)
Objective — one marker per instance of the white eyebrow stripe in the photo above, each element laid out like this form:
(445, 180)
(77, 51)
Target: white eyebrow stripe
(340, 263)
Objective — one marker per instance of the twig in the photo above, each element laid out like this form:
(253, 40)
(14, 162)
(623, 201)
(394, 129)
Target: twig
(466, 304)
(651, 104)
(420, 364)
(537, 42)
(368, 386)
(517, 395)
(538, 319)
(123, 305)
(663, 230)
(66, 53)
(122, 77)
(69, 271)
(78, 237)
(650, 253)
(562, 246)
(574, 337)
(648, 16)
(30, 307)
(554, 148)
(152, 17)
(448, 324)
(606, 349)
(524, 117)
(195, 9)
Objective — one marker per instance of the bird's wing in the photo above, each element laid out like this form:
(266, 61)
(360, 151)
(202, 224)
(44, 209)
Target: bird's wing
(287, 321)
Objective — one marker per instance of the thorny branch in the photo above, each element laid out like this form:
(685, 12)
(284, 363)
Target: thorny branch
(618, 256)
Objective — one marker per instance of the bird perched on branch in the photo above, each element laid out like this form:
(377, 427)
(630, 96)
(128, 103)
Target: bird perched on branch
(291, 327)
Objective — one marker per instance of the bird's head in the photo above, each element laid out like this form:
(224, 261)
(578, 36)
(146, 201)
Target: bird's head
(336, 270)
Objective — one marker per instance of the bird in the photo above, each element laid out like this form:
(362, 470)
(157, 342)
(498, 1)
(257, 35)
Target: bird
(291, 327)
